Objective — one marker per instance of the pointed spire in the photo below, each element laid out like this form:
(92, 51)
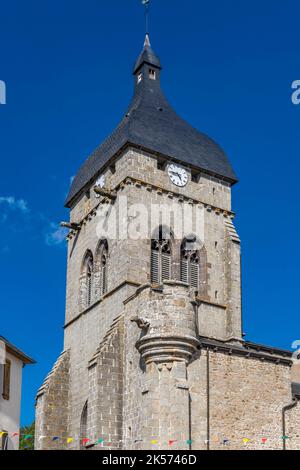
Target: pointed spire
(147, 56)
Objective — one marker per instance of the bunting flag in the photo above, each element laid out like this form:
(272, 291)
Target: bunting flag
(171, 442)
(214, 439)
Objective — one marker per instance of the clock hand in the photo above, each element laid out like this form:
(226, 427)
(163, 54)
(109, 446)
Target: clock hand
(176, 174)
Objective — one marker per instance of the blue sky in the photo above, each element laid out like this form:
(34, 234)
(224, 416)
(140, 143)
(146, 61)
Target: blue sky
(228, 70)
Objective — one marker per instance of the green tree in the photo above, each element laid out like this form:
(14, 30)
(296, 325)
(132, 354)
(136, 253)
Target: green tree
(27, 437)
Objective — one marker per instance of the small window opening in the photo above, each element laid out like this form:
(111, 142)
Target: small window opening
(152, 74)
(161, 164)
(216, 295)
(195, 177)
(113, 168)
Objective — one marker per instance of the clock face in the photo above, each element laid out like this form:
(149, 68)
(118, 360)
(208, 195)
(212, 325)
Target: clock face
(101, 181)
(178, 175)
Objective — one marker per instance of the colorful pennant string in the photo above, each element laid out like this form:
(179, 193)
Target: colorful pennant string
(214, 439)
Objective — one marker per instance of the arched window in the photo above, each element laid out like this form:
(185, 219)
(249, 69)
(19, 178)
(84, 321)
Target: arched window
(86, 280)
(190, 262)
(161, 257)
(89, 281)
(101, 269)
(83, 426)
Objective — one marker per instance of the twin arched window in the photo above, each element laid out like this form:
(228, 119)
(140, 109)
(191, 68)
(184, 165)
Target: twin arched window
(162, 259)
(93, 280)
(101, 269)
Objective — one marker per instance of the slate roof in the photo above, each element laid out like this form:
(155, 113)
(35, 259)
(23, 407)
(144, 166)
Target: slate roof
(152, 124)
(249, 349)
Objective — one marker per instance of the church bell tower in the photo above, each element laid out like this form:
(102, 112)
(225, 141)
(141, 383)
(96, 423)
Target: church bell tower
(153, 268)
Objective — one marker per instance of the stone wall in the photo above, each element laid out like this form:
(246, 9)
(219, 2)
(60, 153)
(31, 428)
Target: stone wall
(52, 407)
(245, 397)
(83, 337)
(105, 398)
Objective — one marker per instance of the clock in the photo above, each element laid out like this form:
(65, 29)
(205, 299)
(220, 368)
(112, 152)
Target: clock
(101, 181)
(178, 175)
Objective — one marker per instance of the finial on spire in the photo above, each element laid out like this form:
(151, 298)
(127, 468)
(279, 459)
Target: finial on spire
(147, 41)
(146, 4)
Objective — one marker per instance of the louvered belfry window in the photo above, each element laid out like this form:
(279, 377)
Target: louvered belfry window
(184, 269)
(194, 271)
(190, 267)
(160, 260)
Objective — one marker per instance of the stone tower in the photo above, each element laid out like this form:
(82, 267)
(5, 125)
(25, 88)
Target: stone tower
(153, 350)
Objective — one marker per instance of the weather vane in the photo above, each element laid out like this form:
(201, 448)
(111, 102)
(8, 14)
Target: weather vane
(146, 4)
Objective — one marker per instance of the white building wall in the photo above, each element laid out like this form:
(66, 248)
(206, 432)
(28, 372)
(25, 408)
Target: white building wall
(10, 409)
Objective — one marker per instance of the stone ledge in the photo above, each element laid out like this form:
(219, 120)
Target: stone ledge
(97, 302)
(162, 349)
